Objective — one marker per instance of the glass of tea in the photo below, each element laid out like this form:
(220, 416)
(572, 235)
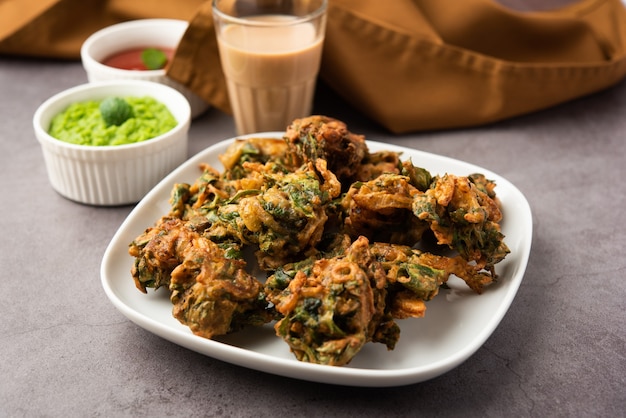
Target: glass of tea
(270, 53)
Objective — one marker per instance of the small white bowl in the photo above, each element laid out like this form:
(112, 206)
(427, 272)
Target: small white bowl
(115, 174)
(141, 33)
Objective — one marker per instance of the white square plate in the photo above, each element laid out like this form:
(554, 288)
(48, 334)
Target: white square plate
(456, 324)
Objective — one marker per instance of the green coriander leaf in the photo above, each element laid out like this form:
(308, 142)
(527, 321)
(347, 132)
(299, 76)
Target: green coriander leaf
(153, 58)
(115, 111)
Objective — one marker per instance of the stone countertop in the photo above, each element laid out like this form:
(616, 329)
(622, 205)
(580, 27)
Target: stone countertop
(559, 351)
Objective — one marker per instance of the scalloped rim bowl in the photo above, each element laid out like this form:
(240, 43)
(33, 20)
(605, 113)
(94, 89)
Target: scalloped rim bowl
(117, 174)
(139, 33)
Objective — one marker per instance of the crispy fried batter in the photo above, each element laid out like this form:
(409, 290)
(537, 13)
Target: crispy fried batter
(381, 210)
(321, 137)
(157, 253)
(335, 307)
(423, 272)
(212, 294)
(463, 217)
(333, 226)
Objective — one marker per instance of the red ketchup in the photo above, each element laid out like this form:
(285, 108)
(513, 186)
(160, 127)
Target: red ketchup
(130, 59)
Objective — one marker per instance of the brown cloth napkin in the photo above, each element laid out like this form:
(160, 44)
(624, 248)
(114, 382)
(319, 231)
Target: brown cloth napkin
(57, 28)
(411, 65)
(418, 65)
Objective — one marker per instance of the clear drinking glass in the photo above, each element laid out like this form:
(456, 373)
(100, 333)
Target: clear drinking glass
(270, 52)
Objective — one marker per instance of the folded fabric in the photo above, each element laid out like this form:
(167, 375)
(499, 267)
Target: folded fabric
(57, 28)
(418, 65)
(469, 62)
(411, 65)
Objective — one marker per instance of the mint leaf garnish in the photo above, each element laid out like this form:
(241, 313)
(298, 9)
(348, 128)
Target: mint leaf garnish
(115, 111)
(153, 58)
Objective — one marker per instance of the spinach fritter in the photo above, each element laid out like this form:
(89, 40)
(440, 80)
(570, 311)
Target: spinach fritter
(335, 229)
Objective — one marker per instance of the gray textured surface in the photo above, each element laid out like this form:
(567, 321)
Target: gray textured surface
(66, 351)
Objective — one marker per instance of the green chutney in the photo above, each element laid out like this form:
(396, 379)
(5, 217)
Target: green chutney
(82, 123)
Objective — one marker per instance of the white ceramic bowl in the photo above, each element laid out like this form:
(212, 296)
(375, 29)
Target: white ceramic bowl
(115, 174)
(141, 33)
